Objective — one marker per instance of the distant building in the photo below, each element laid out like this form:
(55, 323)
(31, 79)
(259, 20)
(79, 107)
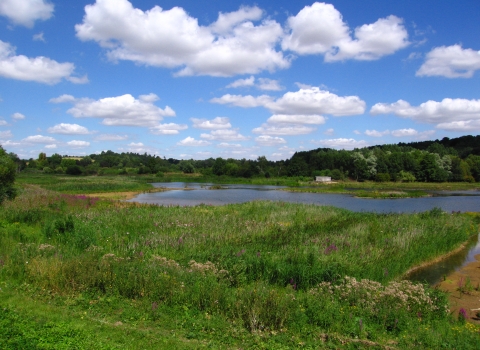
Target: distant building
(323, 179)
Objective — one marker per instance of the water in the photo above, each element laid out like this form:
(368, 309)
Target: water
(200, 194)
(189, 194)
(434, 273)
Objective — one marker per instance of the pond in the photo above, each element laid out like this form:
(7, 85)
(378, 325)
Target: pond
(189, 194)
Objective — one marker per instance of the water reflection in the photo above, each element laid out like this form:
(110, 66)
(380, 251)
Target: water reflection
(202, 194)
(434, 273)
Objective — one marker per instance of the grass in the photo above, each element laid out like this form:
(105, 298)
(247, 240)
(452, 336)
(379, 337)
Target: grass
(253, 275)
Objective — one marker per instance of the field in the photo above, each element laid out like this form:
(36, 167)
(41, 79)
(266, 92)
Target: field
(81, 272)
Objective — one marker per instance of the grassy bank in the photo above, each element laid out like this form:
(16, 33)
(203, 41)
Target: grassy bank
(255, 275)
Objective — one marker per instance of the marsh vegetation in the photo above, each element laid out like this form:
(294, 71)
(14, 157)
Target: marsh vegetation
(107, 274)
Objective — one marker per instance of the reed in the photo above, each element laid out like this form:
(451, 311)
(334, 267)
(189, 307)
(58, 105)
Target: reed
(274, 270)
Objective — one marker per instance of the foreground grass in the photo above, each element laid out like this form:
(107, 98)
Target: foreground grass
(254, 275)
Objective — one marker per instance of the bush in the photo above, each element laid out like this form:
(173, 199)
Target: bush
(382, 177)
(7, 177)
(74, 170)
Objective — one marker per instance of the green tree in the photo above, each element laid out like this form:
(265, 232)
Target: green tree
(7, 176)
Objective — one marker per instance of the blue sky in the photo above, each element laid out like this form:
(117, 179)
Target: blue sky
(237, 79)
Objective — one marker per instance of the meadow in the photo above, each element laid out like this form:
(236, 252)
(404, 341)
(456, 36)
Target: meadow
(81, 272)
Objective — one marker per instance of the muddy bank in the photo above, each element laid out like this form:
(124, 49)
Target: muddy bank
(464, 289)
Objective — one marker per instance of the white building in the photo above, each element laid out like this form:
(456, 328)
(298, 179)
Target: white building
(323, 179)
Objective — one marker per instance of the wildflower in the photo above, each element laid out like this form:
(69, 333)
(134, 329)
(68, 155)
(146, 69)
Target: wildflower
(462, 315)
(258, 254)
(330, 248)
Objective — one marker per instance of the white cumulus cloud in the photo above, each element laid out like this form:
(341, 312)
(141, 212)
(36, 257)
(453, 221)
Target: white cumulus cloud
(443, 113)
(68, 129)
(38, 139)
(168, 129)
(5, 135)
(214, 124)
(266, 140)
(26, 12)
(39, 69)
(375, 133)
(78, 144)
(224, 135)
(120, 110)
(190, 141)
(296, 119)
(306, 101)
(173, 39)
(18, 116)
(283, 129)
(341, 143)
(111, 137)
(320, 29)
(450, 62)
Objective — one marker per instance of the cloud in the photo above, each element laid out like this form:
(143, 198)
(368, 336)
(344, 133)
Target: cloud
(139, 148)
(306, 101)
(375, 133)
(39, 37)
(462, 126)
(243, 101)
(78, 144)
(229, 145)
(39, 69)
(111, 137)
(173, 39)
(122, 110)
(296, 119)
(68, 129)
(341, 143)
(26, 12)
(214, 124)
(450, 62)
(190, 141)
(10, 143)
(52, 146)
(263, 84)
(442, 113)
(242, 82)
(5, 135)
(269, 85)
(38, 139)
(62, 99)
(283, 129)
(404, 132)
(18, 116)
(329, 131)
(3, 122)
(266, 140)
(320, 29)
(168, 129)
(224, 135)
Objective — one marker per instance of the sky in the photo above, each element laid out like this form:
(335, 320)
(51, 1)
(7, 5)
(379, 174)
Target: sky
(239, 79)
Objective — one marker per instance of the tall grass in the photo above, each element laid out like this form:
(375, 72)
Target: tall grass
(261, 266)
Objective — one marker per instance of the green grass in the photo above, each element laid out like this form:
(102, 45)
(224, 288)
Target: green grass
(254, 275)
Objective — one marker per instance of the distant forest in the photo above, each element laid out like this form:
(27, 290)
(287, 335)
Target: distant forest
(456, 159)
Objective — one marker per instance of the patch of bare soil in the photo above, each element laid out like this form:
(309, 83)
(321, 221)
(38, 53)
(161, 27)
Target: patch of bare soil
(464, 289)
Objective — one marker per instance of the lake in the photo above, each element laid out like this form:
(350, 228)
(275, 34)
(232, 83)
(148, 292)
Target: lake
(190, 194)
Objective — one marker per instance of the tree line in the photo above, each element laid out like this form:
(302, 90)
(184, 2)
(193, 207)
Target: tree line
(456, 159)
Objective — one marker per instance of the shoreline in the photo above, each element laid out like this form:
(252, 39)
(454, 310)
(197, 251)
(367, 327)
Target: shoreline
(436, 260)
(463, 287)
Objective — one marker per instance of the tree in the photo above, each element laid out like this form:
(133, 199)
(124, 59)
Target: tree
(7, 176)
